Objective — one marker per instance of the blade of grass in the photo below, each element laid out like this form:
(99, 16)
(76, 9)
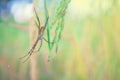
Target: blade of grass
(48, 29)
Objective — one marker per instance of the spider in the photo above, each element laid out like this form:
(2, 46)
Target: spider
(41, 30)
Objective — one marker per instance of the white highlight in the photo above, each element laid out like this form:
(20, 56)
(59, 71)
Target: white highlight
(22, 12)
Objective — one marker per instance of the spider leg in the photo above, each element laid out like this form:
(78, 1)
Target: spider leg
(28, 57)
(37, 18)
(46, 22)
(39, 47)
(31, 51)
(37, 27)
(47, 41)
(29, 54)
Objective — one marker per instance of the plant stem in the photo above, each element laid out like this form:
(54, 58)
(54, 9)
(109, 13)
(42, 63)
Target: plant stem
(48, 29)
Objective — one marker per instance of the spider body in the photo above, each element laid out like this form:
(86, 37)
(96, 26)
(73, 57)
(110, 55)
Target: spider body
(41, 30)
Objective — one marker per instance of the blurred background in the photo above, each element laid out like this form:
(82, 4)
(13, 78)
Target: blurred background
(89, 48)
